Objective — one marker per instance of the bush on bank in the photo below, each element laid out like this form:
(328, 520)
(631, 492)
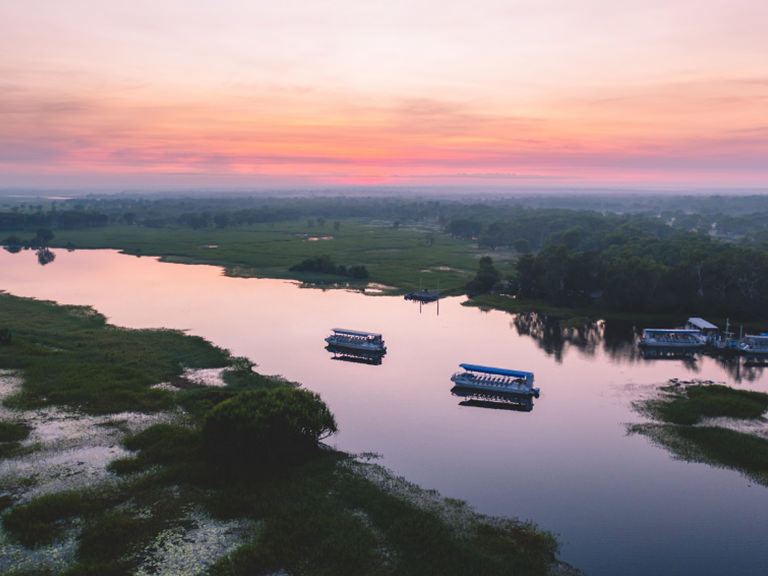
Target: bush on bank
(282, 425)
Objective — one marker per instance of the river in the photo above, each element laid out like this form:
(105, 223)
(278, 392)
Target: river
(619, 504)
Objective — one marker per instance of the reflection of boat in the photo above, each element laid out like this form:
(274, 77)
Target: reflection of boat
(352, 356)
(755, 347)
(663, 338)
(498, 400)
(356, 341)
(661, 352)
(495, 380)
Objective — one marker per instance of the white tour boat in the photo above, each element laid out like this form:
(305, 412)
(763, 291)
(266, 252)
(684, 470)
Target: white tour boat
(356, 341)
(495, 380)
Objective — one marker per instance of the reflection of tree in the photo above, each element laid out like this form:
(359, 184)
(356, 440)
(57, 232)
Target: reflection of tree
(620, 340)
(45, 256)
(552, 336)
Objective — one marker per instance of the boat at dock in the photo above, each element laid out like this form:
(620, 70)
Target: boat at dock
(423, 295)
(498, 381)
(356, 341)
(754, 347)
(671, 338)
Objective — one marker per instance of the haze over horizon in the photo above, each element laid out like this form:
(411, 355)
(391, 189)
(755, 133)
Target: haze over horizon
(524, 94)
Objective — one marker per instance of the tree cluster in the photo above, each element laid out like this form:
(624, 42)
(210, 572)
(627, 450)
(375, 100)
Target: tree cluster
(324, 264)
(687, 272)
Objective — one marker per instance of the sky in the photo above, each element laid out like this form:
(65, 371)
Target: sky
(258, 94)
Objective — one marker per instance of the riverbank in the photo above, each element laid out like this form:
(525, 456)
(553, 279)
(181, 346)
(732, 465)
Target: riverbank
(119, 484)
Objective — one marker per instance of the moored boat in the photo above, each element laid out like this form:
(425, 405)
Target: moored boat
(355, 340)
(671, 338)
(495, 380)
(755, 347)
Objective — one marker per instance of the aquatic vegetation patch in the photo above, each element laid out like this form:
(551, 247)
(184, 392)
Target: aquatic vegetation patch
(690, 404)
(680, 412)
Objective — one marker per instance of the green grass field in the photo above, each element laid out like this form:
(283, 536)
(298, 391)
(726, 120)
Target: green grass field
(395, 257)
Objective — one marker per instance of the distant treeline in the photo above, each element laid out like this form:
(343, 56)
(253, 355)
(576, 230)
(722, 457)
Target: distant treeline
(634, 263)
(18, 221)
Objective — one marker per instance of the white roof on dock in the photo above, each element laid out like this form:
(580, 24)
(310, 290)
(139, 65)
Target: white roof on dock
(701, 324)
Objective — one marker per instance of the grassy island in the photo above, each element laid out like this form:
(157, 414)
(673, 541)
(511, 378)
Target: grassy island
(170, 474)
(710, 423)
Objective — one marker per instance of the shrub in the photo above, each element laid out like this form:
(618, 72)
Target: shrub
(278, 426)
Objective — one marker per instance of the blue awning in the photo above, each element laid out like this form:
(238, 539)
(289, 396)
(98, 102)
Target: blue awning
(497, 371)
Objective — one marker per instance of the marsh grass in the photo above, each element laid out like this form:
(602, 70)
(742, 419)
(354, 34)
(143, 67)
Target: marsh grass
(680, 409)
(45, 518)
(14, 431)
(72, 357)
(690, 404)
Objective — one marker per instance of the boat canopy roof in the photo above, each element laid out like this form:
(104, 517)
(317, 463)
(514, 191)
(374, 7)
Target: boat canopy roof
(669, 331)
(758, 337)
(701, 324)
(497, 371)
(355, 332)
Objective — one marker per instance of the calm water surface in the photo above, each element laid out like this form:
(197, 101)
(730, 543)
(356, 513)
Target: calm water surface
(619, 504)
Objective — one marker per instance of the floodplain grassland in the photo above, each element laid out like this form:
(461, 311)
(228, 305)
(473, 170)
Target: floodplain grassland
(168, 502)
(682, 426)
(70, 356)
(398, 257)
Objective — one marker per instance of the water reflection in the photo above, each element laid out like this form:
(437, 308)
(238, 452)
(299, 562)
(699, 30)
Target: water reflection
(347, 355)
(496, 400)
(45, 256)
(553, 337)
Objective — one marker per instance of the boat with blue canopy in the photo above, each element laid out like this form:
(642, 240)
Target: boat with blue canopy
(495, 380)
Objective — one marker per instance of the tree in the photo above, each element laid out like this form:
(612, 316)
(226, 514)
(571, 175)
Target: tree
(43, 237)
(279, 426)
(487, 276)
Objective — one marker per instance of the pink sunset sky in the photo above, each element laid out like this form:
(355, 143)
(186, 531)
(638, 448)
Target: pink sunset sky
(256, 93)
